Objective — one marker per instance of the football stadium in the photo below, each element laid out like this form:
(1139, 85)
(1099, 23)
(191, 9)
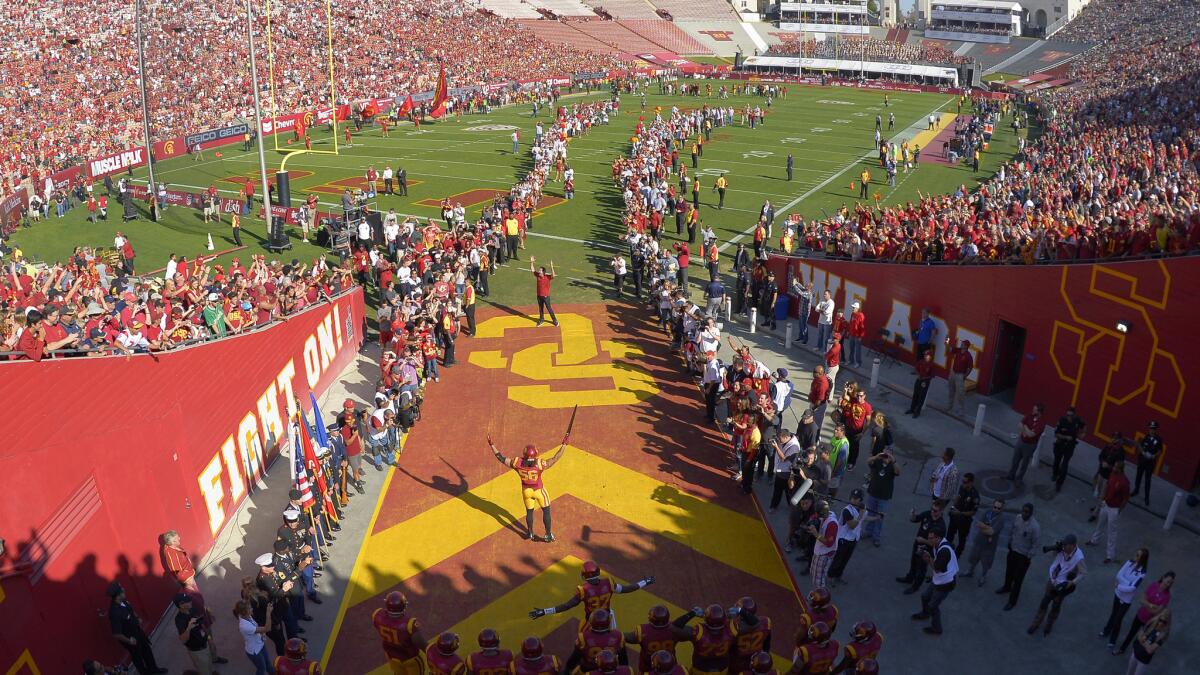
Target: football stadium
(723, 291)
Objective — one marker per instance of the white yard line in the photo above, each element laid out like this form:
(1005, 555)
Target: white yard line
(820, 186)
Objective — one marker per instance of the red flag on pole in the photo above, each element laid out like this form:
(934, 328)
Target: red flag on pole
(406, 107)
(440, 94)
(314, 467)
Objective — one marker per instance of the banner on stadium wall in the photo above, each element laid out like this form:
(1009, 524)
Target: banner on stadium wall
(13, 207)
(234, 131)
(193, 200)
(1061, 349)
(64, 179)
(290, 214)
(281, 123)
(116, 162)
(209, 419)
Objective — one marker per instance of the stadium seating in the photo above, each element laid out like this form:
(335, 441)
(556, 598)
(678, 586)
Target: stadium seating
(693, 10)
(564, 7)
(666, 34)
(850, 46)
(511, 9)
(616, 35)
(564, 33)
(626, 9)
(59, 116)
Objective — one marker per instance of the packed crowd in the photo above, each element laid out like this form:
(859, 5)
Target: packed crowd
(960, 534)
(70, 91)
(95, 304)
(1113, 175)
(855, 47)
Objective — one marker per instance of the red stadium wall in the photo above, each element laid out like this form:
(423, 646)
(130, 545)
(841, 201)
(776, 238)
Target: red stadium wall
(101, 455)
(1073, 352)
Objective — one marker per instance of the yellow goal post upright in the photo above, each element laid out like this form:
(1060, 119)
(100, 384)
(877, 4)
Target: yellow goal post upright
(282, 184)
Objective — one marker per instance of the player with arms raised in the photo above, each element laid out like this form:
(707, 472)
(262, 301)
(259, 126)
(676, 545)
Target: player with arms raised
(530, 468)
(596, 592)
(401, 635)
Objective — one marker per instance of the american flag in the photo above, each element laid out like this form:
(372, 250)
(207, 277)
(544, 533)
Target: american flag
(299, 472)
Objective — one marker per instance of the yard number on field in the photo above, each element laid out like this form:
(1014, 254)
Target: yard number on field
(760, 154)
(793, 139)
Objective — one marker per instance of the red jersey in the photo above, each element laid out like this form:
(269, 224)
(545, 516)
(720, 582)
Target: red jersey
(814, 659)
(828, 614)
(482, 663)
(595, 596)
(544, 665)
(440, 664)
(531, 476)
(396, 632)
(653, 639)
(590, 644)
(748, 641)
(543, 283)
(713, 648)
(857, 651)
(286, 666)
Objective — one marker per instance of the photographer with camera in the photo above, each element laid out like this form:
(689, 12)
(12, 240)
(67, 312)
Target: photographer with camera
(1067, 570)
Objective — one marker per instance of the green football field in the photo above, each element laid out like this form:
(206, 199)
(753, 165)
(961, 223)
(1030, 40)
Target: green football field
(830, 132)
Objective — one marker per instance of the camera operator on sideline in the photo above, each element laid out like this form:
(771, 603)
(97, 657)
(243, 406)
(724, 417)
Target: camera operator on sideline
(1067, 570)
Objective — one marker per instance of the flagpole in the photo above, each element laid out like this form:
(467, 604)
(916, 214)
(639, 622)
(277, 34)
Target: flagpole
(316, 539)
(145, 108)
(258, 130)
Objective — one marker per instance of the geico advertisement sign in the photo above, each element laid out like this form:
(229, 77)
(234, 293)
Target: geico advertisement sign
(114, 163)
(215, 134)
(241, 457)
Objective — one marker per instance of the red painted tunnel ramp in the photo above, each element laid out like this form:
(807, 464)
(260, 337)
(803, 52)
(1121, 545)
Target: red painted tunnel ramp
(641, 489)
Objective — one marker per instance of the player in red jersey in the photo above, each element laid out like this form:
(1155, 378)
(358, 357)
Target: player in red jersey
(664, 663)
(533, 661)
(530, 468)
(752, 634)
(597, 637)
(820, 608)
(654, 636)
(401, 636)
(865, 647)
(295, 660)
(609, 664)
(761, 664)
(712, 640)
(490, 659)
(442, 657)
(815, 656)
(596, 592)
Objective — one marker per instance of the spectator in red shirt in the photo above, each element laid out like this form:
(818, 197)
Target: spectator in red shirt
(833, 358)
(857, 330)
(175, 560)
(348, 428)
(1112, 502)
(818, 395)
(543, 291)
(962, 362)
(1029, 431)
(921, 386)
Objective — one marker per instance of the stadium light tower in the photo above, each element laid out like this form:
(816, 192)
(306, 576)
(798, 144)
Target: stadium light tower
(258, 130)
(145, 108)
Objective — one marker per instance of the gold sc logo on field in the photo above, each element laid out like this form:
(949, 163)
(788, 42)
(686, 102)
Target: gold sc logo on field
(564, 360)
